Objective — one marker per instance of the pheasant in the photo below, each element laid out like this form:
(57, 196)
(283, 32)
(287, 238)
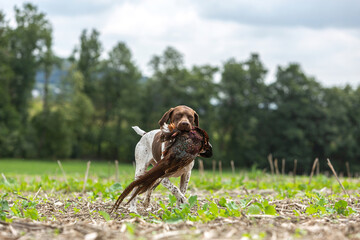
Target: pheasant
(181, 149)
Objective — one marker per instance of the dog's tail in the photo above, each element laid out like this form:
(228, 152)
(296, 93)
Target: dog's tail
(139, 130)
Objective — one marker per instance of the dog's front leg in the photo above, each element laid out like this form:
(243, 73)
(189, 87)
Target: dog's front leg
(184, 182)
(175, 191)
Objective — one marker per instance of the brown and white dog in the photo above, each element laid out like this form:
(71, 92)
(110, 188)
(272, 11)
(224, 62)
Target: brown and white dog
(181, 150)
(149, 151)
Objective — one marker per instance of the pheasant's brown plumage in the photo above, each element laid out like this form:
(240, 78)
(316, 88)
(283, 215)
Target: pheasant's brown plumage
(182, 148)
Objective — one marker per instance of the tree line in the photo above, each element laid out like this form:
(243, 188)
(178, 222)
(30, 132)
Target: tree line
(91, 112)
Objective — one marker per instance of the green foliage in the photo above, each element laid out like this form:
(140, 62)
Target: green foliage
(88, 59)
(4, 207)
(22, 209)
(105, 215)
(204, 209)
(27, 41)
(262, 207)
(90, 113)
(53, 134)
(210, 210)
(342, 208)
(322, 206)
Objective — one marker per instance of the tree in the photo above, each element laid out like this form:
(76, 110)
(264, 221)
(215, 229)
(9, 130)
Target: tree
(200, 93)
(9, 117)
(24, 44)
(87, 58)
(341, 131)
(118, 96)
(27, 42)
(78, 111)
(47, 61)
(172, 84)
(52, 137)
(241, 96)
(297, 117)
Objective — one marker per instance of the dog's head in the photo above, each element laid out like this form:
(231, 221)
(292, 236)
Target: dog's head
(181, 117)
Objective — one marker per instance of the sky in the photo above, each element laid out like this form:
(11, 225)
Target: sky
(323, 36)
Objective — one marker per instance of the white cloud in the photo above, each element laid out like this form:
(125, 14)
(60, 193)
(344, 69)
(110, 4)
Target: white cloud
(331, 54)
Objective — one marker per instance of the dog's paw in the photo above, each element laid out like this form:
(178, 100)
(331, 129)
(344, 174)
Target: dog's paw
(181, 201)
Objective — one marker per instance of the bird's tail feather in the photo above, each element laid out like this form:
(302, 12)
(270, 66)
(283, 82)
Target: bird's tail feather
(143, 183)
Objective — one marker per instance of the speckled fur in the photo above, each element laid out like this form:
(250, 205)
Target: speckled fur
(143, 159)
(181, 150)
(180, 117)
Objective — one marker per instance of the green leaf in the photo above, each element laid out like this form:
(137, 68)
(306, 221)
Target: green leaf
(222, 202)
(341, 208)
(214, 208)
(4, 205)
(31, 213)
(259, 205)
(322, 202)
(193, 201)
(311, 210)
(270, 210)
(205, 206)
(321, 209)
(115, 187)
(76, 210)
(341, 204)
(134, 215)
(15, 210)
(172, 199)
(105, 215)
(254, 209)
(232, 205)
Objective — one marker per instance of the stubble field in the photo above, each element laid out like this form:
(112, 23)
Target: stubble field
(46, 204)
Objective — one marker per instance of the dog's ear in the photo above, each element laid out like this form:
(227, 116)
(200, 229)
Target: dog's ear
(166, 117)
(196, 119)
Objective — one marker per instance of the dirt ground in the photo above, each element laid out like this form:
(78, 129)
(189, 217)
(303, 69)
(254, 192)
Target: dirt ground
(64, 223)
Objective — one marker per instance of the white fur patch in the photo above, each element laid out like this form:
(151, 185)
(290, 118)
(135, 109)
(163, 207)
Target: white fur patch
(165, 128)
(143, 156)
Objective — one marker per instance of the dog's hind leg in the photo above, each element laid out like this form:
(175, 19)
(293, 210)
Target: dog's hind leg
(149, 192)
(142, 162)
(175, 191)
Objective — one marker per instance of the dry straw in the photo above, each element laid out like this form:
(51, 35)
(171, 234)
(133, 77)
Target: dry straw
(86, 175)
(271, 163)
(333, 170)
(63, 171)
(295, 164)
(313, 169)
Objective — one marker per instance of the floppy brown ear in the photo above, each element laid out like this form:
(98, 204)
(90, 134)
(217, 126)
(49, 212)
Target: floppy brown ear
(196, 119)
(166, 117)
